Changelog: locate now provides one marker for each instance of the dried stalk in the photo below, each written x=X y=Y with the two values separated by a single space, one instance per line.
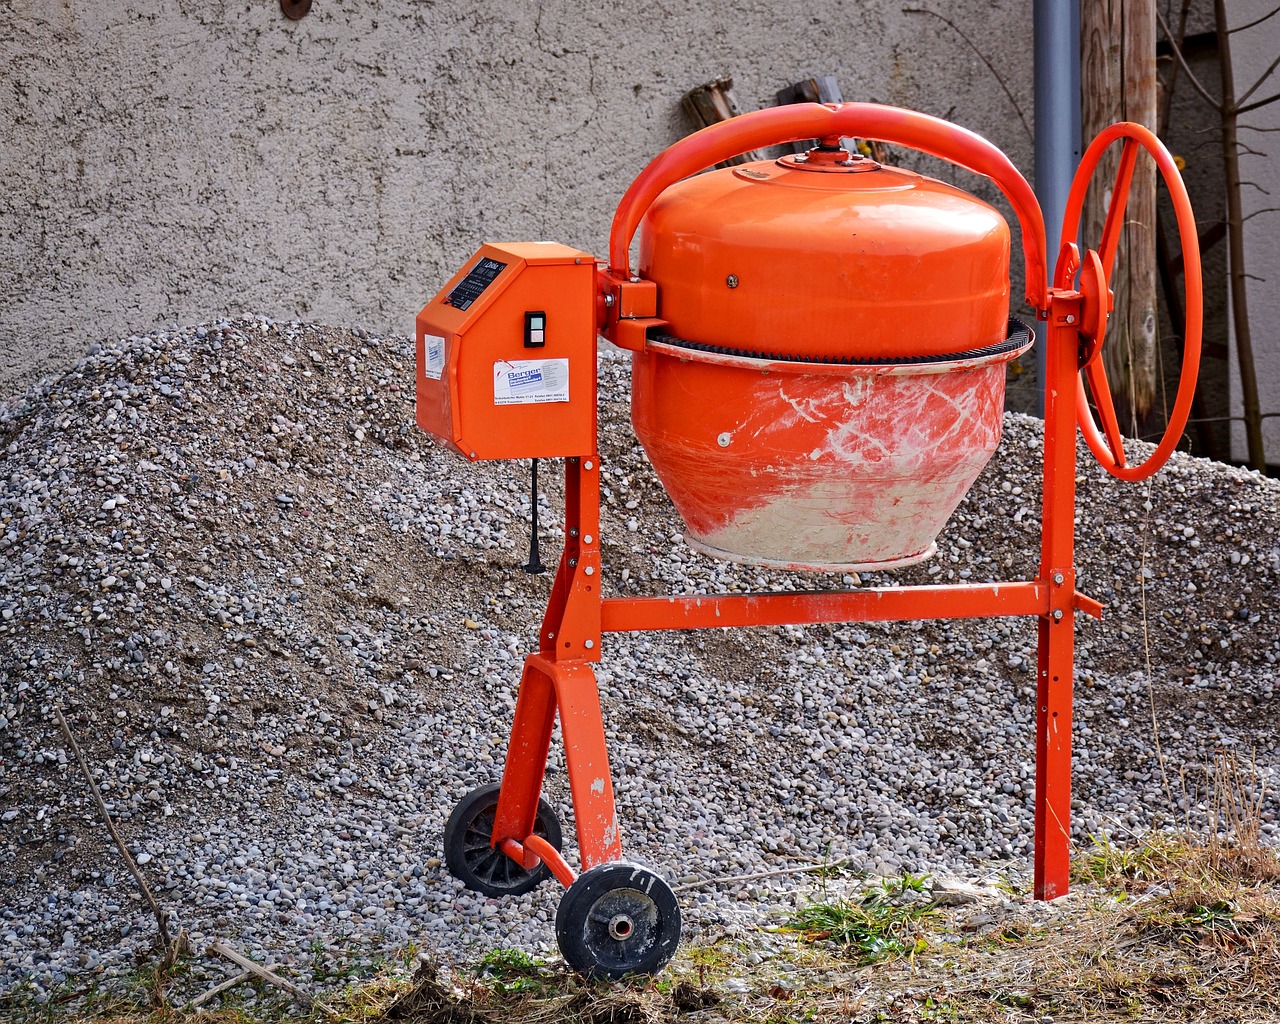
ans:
x=115 y=835
x=173 y=948
x=222 y=949
x=778 y=872
x=221 y=987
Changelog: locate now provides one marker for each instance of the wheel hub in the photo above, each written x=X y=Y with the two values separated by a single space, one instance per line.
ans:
x=621 y=927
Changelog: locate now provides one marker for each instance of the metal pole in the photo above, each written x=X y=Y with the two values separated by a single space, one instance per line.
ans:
x=1057 y=117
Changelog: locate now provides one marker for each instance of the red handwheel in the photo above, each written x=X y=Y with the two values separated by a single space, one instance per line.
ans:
x=1094 y=271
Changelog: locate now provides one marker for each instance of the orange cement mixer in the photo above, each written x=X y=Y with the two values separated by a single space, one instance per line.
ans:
x=831 y=379
x=819 y=349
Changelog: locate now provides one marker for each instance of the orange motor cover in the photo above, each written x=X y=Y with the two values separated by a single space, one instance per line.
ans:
x=827 y=255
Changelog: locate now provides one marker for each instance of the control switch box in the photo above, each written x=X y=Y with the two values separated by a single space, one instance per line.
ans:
x=506 y=354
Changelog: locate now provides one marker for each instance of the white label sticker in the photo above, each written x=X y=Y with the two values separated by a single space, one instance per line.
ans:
x=433 y=364
x=526 y=381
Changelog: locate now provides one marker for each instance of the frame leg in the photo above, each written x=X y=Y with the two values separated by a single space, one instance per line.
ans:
x=588 y=763
x=1053 y=757
x=526 y=757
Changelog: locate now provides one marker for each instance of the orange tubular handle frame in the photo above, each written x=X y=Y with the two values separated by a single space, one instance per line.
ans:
x=1109 y=449
x=776 y=125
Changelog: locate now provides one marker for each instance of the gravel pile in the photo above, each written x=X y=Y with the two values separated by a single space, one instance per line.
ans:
x=287 y=631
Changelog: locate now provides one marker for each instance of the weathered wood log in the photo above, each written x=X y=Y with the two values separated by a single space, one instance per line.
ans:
x=823 y=89
x=711 y=103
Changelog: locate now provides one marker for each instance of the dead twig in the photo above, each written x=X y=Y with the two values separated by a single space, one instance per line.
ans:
x=803 y=870
x=170 y=946
x=115 y=835
x=266 y=974
x=173 y=948
x=230 y=983
x=982 y=57
x=1146 y=645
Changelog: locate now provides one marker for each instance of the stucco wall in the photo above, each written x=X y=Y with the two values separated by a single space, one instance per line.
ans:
x=174 y=161
x=1252 y=52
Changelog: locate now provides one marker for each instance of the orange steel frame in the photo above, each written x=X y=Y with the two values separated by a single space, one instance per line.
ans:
x=559 y=678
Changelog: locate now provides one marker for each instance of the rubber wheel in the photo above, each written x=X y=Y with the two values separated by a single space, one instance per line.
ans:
x=618 y=919
x=482 y=867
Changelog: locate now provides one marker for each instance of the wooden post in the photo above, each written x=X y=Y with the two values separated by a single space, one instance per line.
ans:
x=1118 y=80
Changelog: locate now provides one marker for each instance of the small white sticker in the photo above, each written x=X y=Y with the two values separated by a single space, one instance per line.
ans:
x=433 y=345
x=527 y=381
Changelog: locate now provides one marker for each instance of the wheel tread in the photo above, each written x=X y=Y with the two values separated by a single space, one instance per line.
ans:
x=481 y=866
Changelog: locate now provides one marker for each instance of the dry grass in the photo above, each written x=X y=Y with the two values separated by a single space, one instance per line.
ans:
x=1193 y=945
x=1178 y=926
x=1235 y=848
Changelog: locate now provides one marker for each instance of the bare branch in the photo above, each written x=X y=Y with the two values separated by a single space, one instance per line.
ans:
x=1267 y=209
x=982 y=57
x=230 y=983
x=1165 y=99
x=1210 y=144
x=1240 y=28
x=1261 y=78
x=1255 y=128
x=1257 y=103
x=1244 y=148
x=111 y=827
x=1234 y=419
x=222 y=949
x=1182 y=61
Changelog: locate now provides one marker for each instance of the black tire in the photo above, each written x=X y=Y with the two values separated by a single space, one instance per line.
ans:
x=485 y=868
x=618 y=919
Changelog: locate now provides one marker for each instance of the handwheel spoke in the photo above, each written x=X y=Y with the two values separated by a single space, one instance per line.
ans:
x=1068 y=265
x=1096 y=374
x=1114 y=223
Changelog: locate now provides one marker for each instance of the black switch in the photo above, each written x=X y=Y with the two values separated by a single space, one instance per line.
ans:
x=535 y=329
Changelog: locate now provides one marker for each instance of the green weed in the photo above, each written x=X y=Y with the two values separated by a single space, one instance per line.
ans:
x=905 y=883
x=711 y=962
x=512 y=972
x=874 y=926
x=938 y=1010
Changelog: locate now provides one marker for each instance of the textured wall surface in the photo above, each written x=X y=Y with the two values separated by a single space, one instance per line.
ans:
x=1252 y=53
x=175 y=161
